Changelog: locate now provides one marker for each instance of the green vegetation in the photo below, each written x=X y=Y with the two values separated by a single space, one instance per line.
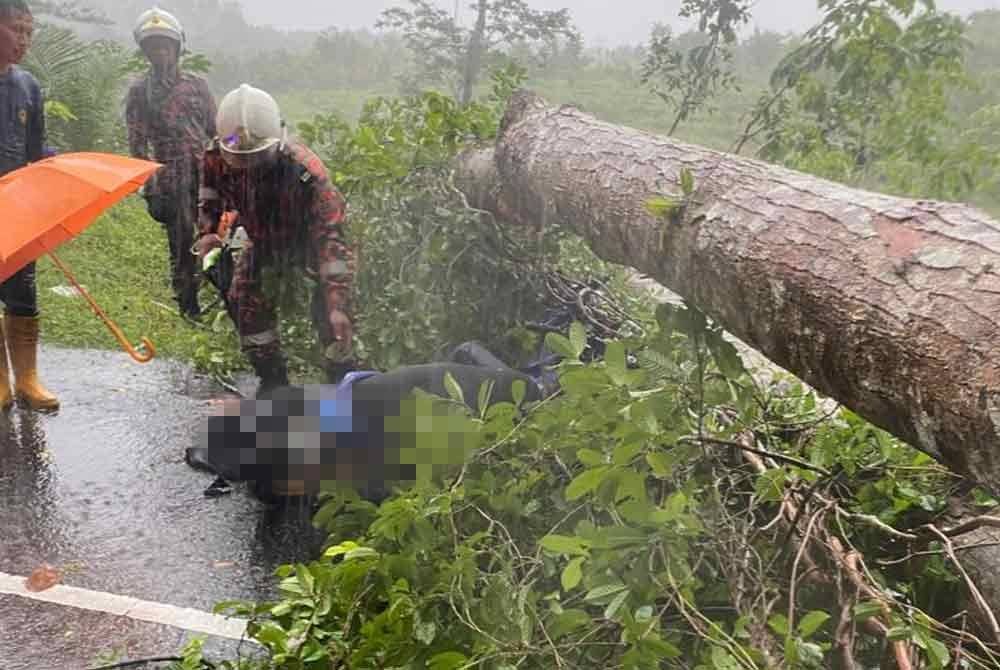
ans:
x=682 y=515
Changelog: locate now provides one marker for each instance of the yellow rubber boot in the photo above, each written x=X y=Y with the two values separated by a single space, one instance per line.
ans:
x=6 y=394
x=22 y=342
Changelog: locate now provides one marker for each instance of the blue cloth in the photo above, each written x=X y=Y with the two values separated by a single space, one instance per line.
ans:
x=335 y=411
x=22 y=120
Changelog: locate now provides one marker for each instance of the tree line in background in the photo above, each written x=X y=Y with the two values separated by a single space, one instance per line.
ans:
x=893 y=95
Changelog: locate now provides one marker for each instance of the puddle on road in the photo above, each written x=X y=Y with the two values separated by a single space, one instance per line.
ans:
x=101 y=490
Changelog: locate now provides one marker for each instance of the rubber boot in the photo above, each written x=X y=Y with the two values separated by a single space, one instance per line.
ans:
x=6 y=393
x=272 y=370
x=22 y=342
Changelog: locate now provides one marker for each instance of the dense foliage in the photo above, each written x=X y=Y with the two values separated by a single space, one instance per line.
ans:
x=634 y=522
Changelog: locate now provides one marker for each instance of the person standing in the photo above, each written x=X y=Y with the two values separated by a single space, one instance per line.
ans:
x=22 y=141
x=173 y=113
x=281 y=196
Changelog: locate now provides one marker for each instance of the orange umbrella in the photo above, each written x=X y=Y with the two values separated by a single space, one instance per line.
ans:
x=52 y=201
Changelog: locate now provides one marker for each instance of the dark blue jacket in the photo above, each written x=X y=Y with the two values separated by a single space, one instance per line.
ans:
x=22 y=120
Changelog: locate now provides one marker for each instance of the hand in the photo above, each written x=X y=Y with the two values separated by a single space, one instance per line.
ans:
x=343 y=332
x=206 y=243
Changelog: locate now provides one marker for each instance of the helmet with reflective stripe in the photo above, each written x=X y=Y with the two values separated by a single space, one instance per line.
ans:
x=156 y=22
x=250 y=127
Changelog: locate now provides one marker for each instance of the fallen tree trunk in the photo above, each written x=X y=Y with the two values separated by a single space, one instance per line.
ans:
x=887 y=305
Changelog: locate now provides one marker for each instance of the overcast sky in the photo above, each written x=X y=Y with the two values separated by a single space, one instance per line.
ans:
x=603 y=22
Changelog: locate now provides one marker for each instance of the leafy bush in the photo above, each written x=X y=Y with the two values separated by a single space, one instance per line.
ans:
x=433 y=271
x=625 y=525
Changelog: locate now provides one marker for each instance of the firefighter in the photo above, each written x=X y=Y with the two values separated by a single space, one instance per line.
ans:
x=277 y=192
x=171 y=113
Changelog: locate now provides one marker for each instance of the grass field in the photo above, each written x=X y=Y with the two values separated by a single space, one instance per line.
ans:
x=123 y=262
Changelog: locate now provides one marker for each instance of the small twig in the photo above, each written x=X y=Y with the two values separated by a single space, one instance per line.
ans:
x=878 y=523
x=972 y=524
x=934 y=552
x=977 y=595
x=846 y=627
x=704 y=439
x=803 y=547
x=958 y=645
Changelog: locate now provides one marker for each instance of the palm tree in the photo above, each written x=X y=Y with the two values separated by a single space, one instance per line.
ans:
x=82 y=82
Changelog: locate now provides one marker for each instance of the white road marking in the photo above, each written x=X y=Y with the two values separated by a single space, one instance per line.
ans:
x=184 y=618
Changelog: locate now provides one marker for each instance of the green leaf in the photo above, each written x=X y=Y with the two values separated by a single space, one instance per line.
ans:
x=584 y=382
x=687 y=182
x=578 y=338
x=425 y=632
x=660 y=648
x=273 y=636
x=866 y=610
x=591 y=458
x=676 y=504
x=728 y=359
x=644 y=614
x=349 y=550
x=614 y=358
x=770 y=486
x=811 y=622
x=306 y=580
x=565 y=544
x=281 y=609
x=612 y=609
x=518 y=390
x=779 y=624
x=601 y=592
x=723 y=660
x=625 y=452
x=586 y=482
x=661 y=464
x=661 y=207
x=569 y=621
x=572 y=574
x=316 y=655
x=560 y=345
x=453 y=388
x=620 y=537
x=449 y=660
x=937 y=652
x=485 y=393
x=632 y=485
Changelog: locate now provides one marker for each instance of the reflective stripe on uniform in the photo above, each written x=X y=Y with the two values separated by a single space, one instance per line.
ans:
x=334 y=268
x=260 y=339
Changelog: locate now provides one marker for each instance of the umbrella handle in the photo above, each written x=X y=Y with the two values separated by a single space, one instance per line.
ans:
x=112 y=326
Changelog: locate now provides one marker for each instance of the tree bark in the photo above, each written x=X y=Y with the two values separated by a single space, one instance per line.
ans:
x=888 y=305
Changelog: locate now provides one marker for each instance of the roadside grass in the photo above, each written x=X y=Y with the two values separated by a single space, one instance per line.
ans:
x=123 y=262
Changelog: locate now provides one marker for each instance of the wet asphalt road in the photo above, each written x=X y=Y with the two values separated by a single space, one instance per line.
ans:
x=101 y=492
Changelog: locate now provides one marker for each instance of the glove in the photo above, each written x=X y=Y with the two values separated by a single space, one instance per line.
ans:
x=205 y=244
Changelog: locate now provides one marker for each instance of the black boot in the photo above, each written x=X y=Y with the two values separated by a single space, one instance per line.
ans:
x=272 y=370
x=335 y=372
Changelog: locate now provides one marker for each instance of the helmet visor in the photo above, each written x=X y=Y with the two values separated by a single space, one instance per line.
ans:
x=246 y=159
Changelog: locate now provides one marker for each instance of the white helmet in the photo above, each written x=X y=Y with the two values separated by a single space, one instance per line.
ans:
x=250 y=127
x=154 y=22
